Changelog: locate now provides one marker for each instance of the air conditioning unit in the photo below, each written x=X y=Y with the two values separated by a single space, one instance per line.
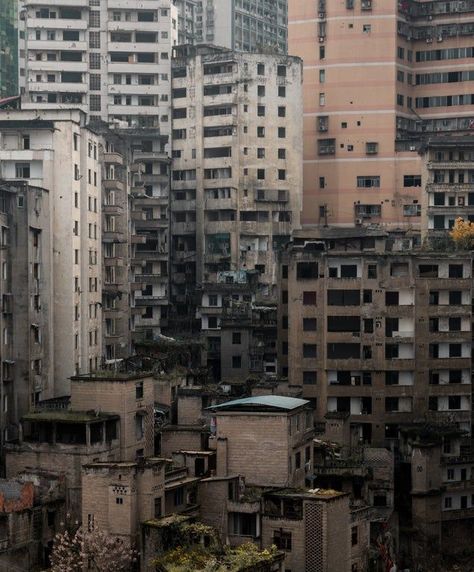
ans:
x=322 y=39
x=322 y=15
x=358 y=221
x=412 y=148
x=429 y=40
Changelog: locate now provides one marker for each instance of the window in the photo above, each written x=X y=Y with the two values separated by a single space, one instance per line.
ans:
x=366 y=28
x=412 y=181
x=372 y=271
x=281 y=91
x=281 y=132
x=455 y=270
x=448 y=502
x=309 y=298
x=367 y=181
x=139 y=390
x=22 y=170
x=236 y=362
x=310 y=377
x=309 y=324
x=309 y=351
x=354 y=536
x=236 y=338
x=261 y=90
x=282 y=153
x=455 y=298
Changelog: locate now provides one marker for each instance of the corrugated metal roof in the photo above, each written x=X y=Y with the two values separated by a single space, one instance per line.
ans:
x=263 y=401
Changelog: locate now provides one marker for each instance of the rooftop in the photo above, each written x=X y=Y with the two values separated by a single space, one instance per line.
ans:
x=64 y=416
x=319 y=494
x=262 y=403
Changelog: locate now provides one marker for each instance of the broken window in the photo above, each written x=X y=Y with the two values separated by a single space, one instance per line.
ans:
x=428 y=271
x=434 y=298
x=282 y=540
x=455 y=270
x=455 y=298
x=309 y=351
x=343 y=351
x=348 y=271
x=391 y=377
x=242 y=524
x=309 y=298
x=391 y=351
x=398 y=269
x=306 y=270
x=343 y=324
x=343 y=297
x=391 y=404
x=310 y=377
x=392 y=298
x=309 y=324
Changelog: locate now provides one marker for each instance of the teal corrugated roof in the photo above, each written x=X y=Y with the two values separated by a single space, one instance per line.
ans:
x=264 y=401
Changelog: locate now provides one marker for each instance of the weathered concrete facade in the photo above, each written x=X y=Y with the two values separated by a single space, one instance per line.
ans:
x=370 y=328
x=447 y=178
x=236 y=189
x=54 y=151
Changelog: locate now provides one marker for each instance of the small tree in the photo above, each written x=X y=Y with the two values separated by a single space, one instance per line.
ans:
x=462 y=234
x=94 y=550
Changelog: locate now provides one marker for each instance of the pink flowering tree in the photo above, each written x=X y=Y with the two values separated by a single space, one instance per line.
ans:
x=94 y=550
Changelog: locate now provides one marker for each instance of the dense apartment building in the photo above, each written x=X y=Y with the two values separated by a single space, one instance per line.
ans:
x=236 y=188
x=371 y=328
x=53 y=151
x=447 y=177
x=112 y=60
x=116 y=238
x=9 y=49
x=242 y=25
x=379 y=78
x=26 y=294
x=80 y=53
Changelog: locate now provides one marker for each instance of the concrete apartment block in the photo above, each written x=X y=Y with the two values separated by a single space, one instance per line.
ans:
x=236 y=188
x=375 y=330
x=53 y=150
x=377 y=82
x=247 y=26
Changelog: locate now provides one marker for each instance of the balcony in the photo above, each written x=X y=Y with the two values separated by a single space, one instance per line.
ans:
x=113 y=157
x=52 y=45
x=114 y=261
x=464 y=165
x=113 y=184
x=184 y=227
x=113 y=236
x=112 y=209
x=151 y=301
x=137 y=239
x=221 y=204
x=152 y=223
x=150 y=278
x=150 y=156
x=58 y=87
x=161 y=254
x=55 y=66
x=58 y=23
x=61 y=3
